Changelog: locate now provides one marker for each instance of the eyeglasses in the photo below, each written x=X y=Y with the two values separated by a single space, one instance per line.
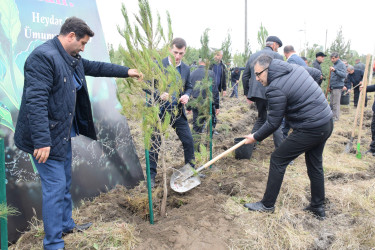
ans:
x=259 y=73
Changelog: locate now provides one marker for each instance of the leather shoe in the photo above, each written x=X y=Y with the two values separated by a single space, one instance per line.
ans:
x=318 y=212
x=78 y=228
x=370 y=152
x=259 y=207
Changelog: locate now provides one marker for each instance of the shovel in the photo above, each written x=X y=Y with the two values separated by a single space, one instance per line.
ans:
x=350 y=143
x=187 y=177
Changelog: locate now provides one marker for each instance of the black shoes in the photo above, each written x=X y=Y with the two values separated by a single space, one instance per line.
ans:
x=370 y=152
x=318 y=212
x=259 y=207
x=78 y=228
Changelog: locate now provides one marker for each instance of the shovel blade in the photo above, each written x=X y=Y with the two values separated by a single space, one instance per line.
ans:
x=183 y=179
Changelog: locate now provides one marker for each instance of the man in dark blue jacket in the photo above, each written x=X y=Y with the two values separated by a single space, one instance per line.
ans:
x=198 y=114
x=178 y=122
x=55 y=107
x=291 y=92
x=292 y=57
x=235 y=79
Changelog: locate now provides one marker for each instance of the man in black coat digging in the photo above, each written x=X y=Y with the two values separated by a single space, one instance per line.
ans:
x=291 y=92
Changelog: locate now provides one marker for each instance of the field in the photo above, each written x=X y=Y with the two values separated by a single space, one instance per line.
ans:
x=212 y=216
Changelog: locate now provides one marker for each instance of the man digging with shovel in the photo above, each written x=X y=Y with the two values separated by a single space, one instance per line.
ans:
x=292 y=92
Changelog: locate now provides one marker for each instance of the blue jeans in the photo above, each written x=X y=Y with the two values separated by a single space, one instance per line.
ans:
x=235 y=90
x=56 y=177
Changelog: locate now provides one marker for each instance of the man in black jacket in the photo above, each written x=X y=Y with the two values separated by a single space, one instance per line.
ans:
x=371 y=88
x=316 y=64
x=255 y=91
x=355 y=77
x=291 y=92
x=196 y=78
x=55 y=107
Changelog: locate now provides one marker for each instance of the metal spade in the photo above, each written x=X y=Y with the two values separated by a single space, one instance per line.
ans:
x=187 y=178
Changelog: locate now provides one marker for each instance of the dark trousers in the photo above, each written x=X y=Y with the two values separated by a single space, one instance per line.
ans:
x=183 y=132
x=356 y=97
x=285 y=128
x=308 y=141
x=235 y=90
x=199 y=125
x=372 y=145
x=262 y=118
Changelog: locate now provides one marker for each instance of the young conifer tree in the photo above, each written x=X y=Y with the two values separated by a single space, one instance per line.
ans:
x=202 y=103
x=146 y=46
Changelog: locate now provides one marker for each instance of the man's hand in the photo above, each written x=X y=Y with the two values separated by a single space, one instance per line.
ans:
x=344 y=88
x=332 y=69
x=42 y=154
x=164 y=96
x=184 y=99
x=135 y=74
x=360 y=86
x=224 y=93
x=248 y=101
x=217 y=111
x=250 y=139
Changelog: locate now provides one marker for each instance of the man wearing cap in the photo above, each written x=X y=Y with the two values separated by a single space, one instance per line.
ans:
x=316 y=64
x=255 y=91
x=336 y=83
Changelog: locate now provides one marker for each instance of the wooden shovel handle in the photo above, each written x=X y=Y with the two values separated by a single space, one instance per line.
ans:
x=356 y=114
x=363 y=92
x=222 y=155
x=329 y=80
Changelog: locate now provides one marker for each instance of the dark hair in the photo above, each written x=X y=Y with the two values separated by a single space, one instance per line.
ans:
x=178 y=42
x=304 y=58
x=76 y=25
x=334 y=54
x=288 y=49
x=263 y=60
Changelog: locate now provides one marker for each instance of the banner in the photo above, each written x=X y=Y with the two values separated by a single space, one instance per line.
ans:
x=97 y=165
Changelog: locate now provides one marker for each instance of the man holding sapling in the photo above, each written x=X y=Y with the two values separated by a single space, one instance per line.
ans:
x=292 y=92
x=179 y=122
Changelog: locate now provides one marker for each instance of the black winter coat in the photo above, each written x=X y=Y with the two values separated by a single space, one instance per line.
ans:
x=293 y=93
x=50 y=100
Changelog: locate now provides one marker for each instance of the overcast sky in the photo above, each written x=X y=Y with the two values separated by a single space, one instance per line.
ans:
x=294 y=22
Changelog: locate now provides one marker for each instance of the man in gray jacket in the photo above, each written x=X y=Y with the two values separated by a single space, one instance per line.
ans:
x=292 y=93
x=337 y=82
x=255 y=91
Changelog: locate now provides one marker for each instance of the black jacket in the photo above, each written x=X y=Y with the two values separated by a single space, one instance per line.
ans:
x=50 y=100
x=197 y=76
x=371 y=88
x=222 y=85
x=294 y=94
x=316 y=65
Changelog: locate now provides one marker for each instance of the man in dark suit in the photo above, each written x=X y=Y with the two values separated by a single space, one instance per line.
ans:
x=179 y=122
x=255 y=91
